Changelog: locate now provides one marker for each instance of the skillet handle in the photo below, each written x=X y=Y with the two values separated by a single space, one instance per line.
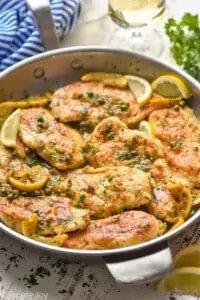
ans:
x=42 y=13
x=140 y=269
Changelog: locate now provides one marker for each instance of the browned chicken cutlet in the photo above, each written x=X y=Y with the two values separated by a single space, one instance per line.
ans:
x=125 y=229
x=56 y=143
x=5 y=156
x=9 y=163
x=91 y=102
x=171 y=124
x=162 y=174
x=18 y=165
x=104 y=191
x=113 y=144
x=164 y=205
x=179 y=131
x=55 y=215
x=6 y=189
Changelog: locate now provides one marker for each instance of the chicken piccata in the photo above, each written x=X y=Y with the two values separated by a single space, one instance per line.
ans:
x=81 y=172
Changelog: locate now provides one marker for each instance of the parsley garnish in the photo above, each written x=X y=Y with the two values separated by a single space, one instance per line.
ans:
x=108 y=132
x=68 y=219
x=125 y=155
x=86 y=126
x=82 y=198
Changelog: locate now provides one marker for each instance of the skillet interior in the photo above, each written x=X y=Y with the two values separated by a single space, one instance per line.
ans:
x=52 y=70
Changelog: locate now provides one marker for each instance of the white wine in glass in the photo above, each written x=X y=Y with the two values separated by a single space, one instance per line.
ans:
x=133 y=16
x=93 y=10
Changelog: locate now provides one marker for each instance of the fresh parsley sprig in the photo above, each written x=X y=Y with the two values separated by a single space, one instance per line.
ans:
x=185 y=42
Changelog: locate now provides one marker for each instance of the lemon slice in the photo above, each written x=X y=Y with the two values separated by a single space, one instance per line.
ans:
x=31 y=180
x=170 y=86
x=140 y=88
x=178 y=223
x=120 y=83
x=99 y=76
x=183 y=199
x=108 y=79
x=29 y=225
x=188 y=257
x=165 y=102
x=27 y=187
x=10 y=128
x=184 y=280
x=145 y=127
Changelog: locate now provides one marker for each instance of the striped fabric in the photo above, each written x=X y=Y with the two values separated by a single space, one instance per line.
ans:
x=19 y=37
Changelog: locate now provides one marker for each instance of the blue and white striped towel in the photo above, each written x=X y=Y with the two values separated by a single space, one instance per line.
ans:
x=19 y=36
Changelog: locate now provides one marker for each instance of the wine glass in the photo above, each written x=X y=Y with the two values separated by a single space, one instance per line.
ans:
x=137 y=21
x=93 y=10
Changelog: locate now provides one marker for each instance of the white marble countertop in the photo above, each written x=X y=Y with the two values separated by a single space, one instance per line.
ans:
x=59 y=280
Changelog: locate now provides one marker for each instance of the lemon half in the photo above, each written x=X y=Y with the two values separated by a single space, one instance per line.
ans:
x=188 y=257
x=171 y=86
x=140 y=88
x=185 y=280
x=9 y=130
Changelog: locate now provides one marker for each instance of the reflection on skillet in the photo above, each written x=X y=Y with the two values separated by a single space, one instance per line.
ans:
x=84 y=174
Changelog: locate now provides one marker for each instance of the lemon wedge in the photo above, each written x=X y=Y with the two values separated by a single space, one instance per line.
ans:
x=145 y=127
x=188 y=257
x=140 y=88
x=171 y=86
x=184 y=280
x=10 y=128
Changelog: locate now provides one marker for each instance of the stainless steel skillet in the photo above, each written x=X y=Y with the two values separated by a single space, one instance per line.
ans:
x=52 y=69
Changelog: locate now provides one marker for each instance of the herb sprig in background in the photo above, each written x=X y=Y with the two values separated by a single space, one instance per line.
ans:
x=184 y=36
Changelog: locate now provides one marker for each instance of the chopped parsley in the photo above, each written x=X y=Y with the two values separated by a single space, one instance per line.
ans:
x=176 y=144
x=69 y=185
x=68 y=219
x=66 y=158
x=118 y=109
x=126 y=155
x=108 y=132
x=52 y=154
x=141 y=162
x=143 y=167
x=31 y=161
x=54 y=180
x=110 y=178
x=81 y=201
x=48 y=223
x=82 y=198
x=86 y=126
x=135 y=140
x=90 y=95
x=42 y=124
